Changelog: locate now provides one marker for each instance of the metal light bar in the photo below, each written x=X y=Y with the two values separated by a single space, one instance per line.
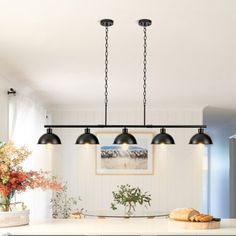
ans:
x=127 y=126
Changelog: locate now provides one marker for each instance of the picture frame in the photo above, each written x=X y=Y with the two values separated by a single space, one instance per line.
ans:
x=113 y=159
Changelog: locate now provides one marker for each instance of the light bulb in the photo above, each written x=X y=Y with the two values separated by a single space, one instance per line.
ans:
x=125 y=146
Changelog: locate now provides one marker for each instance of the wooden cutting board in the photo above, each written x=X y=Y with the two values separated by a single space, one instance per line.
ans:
x=194 y=225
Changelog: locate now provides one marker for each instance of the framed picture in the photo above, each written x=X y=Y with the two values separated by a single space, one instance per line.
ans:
x=124 y=159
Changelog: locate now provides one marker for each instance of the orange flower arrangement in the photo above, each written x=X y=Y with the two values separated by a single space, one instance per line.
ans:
x=14 y=179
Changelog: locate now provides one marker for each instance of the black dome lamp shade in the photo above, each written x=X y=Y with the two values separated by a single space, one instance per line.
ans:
x=163 y=138
x=49 y=138
x=125 y=138
x=201 y=138
x=87 y=138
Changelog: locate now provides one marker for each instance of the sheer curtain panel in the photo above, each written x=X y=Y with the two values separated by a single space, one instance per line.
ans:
x=26 y=121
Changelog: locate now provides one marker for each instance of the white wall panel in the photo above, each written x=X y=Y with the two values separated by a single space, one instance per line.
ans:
x=177 y=178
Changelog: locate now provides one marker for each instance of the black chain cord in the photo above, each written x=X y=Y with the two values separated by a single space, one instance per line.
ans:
x=144 y=74
x=106 y=73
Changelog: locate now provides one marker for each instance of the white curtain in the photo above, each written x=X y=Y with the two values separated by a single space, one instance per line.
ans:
x=26 y=121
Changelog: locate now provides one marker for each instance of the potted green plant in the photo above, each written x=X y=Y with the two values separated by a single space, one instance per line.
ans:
x=129 y=197
x=13 y=179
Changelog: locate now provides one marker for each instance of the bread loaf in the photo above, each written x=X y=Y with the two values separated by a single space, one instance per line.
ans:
x=183 y=214
x=201 y=218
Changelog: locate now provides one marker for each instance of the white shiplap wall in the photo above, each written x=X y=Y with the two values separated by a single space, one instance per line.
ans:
x=177 y=178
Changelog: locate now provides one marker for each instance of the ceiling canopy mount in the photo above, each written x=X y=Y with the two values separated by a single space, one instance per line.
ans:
x=106 y=22
x=144 y=22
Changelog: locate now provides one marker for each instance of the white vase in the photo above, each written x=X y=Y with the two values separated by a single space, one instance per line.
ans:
x=14 y=218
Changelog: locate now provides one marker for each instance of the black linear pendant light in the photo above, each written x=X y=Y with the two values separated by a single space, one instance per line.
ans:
x=163 y=138
x=201 y=138
x=125 y=137
x=87 y=138
x=49 y=138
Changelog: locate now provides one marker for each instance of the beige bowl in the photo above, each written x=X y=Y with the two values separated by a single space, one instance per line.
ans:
x=14 y=218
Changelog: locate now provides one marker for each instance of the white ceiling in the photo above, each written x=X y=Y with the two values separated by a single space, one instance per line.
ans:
x=56 y=47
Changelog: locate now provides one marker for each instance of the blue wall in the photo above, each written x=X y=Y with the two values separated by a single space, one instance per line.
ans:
x=221 y=125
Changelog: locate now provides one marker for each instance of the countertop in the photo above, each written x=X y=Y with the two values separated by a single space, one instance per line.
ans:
x=140 y=226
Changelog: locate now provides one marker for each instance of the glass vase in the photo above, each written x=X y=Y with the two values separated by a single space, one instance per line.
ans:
x=6 y=201
x=129 y=211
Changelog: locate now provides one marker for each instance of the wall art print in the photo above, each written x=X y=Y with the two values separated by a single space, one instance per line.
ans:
x=124 y=159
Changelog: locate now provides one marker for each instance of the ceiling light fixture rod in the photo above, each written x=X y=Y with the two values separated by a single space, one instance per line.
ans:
x=144 y=23
x=126 y=126
x=106 y=72
x=106 y=23
x=144 y=74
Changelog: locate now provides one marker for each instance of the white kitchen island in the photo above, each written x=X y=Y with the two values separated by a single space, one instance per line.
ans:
x=140 y=226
